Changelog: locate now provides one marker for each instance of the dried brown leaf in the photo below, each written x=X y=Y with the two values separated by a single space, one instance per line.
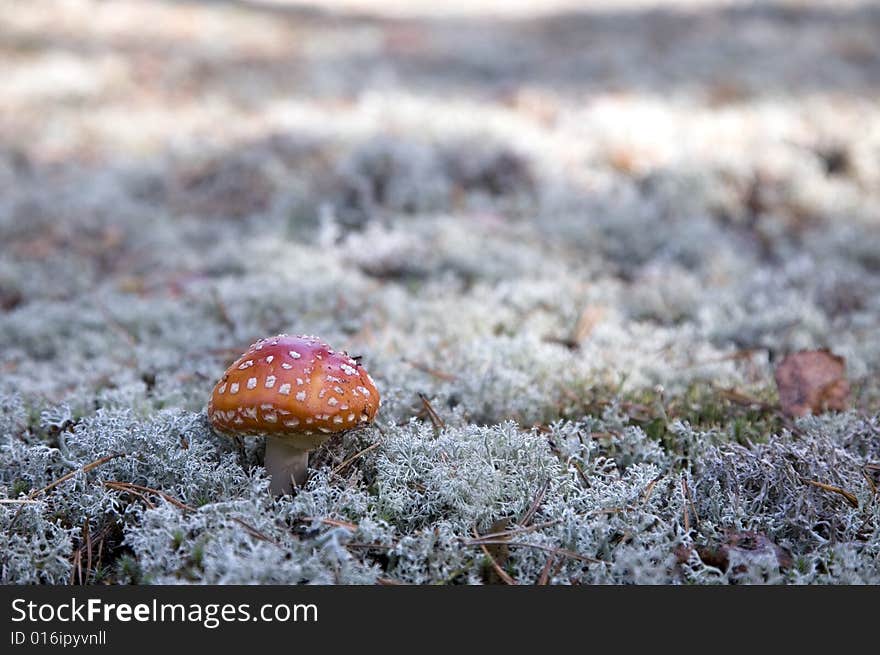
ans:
x=812 y=381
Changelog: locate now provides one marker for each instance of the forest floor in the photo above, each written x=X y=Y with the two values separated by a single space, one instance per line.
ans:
x=571 y=244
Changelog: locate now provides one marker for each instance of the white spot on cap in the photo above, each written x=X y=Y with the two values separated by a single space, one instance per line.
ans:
x=299 y=381
x=322 y=393
x=233 y=388
x=270 y=381
x=301 y=396
x=339 y=390
x=332 y=401
x=286 y=366
x=364 y=391
x=284 y=388
x=266 y=406
x=348 y=370
x=294 y=354
x=344 y=406
x=271 y=417
x=252 y=383
x=246 y=364
x=250 y=412
x=221 y=388
x=270 y=358
x=291 y=422
x=351 y=417
x=324 y=430
x=337 y=419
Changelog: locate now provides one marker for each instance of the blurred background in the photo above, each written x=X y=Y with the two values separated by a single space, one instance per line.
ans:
x=621 y=213
x=674 y=179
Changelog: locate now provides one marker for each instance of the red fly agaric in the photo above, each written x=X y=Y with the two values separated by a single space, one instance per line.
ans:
x=297 y=392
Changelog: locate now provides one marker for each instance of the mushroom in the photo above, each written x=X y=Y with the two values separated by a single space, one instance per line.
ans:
x=297 y=392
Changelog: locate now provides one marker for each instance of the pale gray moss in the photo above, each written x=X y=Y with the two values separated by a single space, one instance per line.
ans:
x=572 y=267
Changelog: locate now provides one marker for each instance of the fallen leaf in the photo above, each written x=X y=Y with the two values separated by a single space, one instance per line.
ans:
x=745 y=549
x=812 y=381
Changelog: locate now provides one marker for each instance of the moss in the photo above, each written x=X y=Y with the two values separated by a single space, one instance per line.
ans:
x=590 y=289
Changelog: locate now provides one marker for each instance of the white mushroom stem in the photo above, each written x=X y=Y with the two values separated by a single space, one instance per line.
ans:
x=287 y=465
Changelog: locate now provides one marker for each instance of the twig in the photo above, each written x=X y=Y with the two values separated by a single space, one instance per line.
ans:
x=740 y=398
x=536 y=503
x=689 y=501
x=544 y=577
x=76 y=566
x=448 y=377
x=650 y=489
x=84 y=469
x=18 y=501
x=436 y=421
x=505 y=577
x=139 y=491
x=748 y=353
x=388 y=582
x=850 y=498
x=333 y=522
x=558 y=551
x=223 y=313
x=256 y=533
x=870 y=478
x=129 y=486
x=88 y=540
x=580 y=472
x=354 y=457
x=116 y=326
x=523 y=530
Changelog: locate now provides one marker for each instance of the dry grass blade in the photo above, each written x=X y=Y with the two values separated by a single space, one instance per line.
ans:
x=87 y=538
x=76 y=567
x=544 y=577
x=436 y=421
x=500 y=572
x=83 y=469
x=223 y=312
x=252 y=531
x=548 y=549
x=18 y=501
x=116 y=326
x=448 y=377
x=332 y=522
x=649 y=490
x=355 y=457
x=871 y=472
x=689 y=500
x=536 y=503
x=850 y=498
x=523 y=530
x=140 y=490
x=740 y=398
x=388 y=582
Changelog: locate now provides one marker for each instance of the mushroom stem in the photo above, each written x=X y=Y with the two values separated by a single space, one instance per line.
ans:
x=286 y=465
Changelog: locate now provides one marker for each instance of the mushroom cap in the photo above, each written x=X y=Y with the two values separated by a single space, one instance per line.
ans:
x=295 y=388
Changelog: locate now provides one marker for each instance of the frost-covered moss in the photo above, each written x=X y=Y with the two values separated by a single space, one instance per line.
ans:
x=587 y=274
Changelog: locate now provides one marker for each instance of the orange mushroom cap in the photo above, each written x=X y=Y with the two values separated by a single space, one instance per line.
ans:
x=294 y=387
